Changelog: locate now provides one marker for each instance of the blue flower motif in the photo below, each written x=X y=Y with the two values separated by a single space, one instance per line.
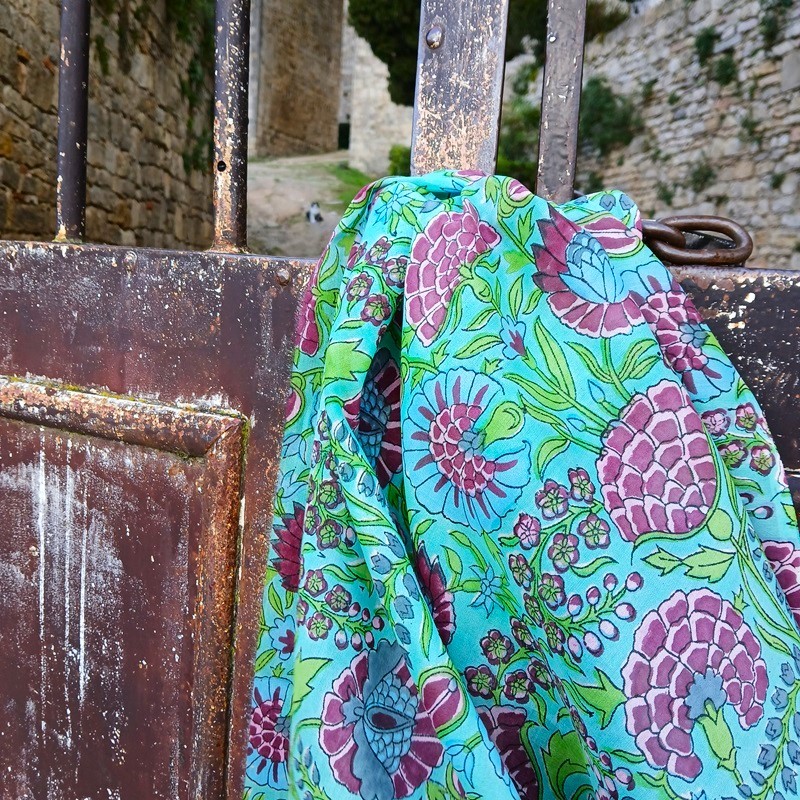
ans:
x=489 y=585
x=281 y=637
x=705 y=688
x=589 y=272
x=456 y=469
x=513 y=335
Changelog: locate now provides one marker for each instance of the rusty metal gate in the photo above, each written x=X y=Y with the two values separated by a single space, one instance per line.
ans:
x=141 y=407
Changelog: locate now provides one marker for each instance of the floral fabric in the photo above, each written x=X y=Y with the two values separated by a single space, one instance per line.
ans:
x=532 y=537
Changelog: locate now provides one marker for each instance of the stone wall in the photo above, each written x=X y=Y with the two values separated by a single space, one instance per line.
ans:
x=376 y=123
x=298 y=78
x=139 y=189
x=732 y=149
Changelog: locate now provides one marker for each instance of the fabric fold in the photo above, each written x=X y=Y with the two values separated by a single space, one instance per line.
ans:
x=528 y=523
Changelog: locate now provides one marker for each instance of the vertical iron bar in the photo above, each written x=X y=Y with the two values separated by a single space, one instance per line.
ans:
x=232 y=46
x=459 y=85
x=73 y=105
x=561 y=99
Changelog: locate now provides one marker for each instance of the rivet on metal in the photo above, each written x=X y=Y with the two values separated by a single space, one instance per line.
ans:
x=434 y=37
x=283 y=276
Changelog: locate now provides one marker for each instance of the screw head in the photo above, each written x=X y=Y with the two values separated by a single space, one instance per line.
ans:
x=434 y=37
x=283 y=276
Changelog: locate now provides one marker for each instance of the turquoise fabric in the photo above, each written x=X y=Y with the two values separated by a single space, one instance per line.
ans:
x=532 y=537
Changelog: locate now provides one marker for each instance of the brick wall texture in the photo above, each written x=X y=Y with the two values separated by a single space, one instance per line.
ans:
x=140 y=192
x=745 y=135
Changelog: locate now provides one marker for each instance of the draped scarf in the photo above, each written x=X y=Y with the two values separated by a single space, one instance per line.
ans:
x=532 y=537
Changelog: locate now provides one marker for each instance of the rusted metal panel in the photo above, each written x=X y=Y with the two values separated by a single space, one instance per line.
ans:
x=73 y=100
x=232 y=54
x=174 y=430
x=198 y=331
x=561 y=98
x=459 y=85
x=755 y=314
x=117 y=573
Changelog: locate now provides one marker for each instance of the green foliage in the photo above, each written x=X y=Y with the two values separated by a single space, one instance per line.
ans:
x=103 y=54
x=189 y=21
x=607 y=120
x=674 y=98
x=704 y=44
x=776 y=180
x=647 y=90
x=351 y=180
x=519 y=130
x=751 y=130
x=392 y=28
x=665 y=193
x=701 y=175
x=399 y=160
x=724 y=69
x=773 y=17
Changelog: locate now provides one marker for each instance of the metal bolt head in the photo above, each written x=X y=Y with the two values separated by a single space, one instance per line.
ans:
x=434 y=37
x=283 y=276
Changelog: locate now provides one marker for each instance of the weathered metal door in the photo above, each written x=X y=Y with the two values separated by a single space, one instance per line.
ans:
x=141 y=403
x=142 y=399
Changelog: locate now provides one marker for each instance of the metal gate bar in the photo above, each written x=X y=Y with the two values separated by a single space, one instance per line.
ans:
x=561 y=100
x=231 y=77
x=73 y=105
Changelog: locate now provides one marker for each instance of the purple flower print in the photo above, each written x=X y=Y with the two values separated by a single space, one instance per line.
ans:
x=315 y=583
x=288 y=540
x=374 y=413
x=521 y=633
x=784 y=558
x=440 y=598
x=378 y=731
x=359 y=286
x=376 y=309
x=517 y=686
x=551 y=590
x=555 y=637
x=308 y=334
x=527 y=529
x=338 y=599
x=563 y=551
x=692 y=655
x=394 y=270
x=481 y=681
x=656 y=468
x=762 y=459
x=496 y=647
x=682 y=337
x=583 y=288
x=581 y=486
x=318 y=626
x=451 y=241
x=716 y=421
x=733 y=453
x=452 y=468
x=552 y=498
x=520 y=569
x=268 y=734
x=746 y=417
x=504 y=725
x=595 y=532
x=539 y=673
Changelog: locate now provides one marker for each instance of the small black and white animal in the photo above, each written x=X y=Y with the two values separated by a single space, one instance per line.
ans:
x=313 y=214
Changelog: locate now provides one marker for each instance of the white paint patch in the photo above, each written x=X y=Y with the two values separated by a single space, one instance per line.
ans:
x=41 y=513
